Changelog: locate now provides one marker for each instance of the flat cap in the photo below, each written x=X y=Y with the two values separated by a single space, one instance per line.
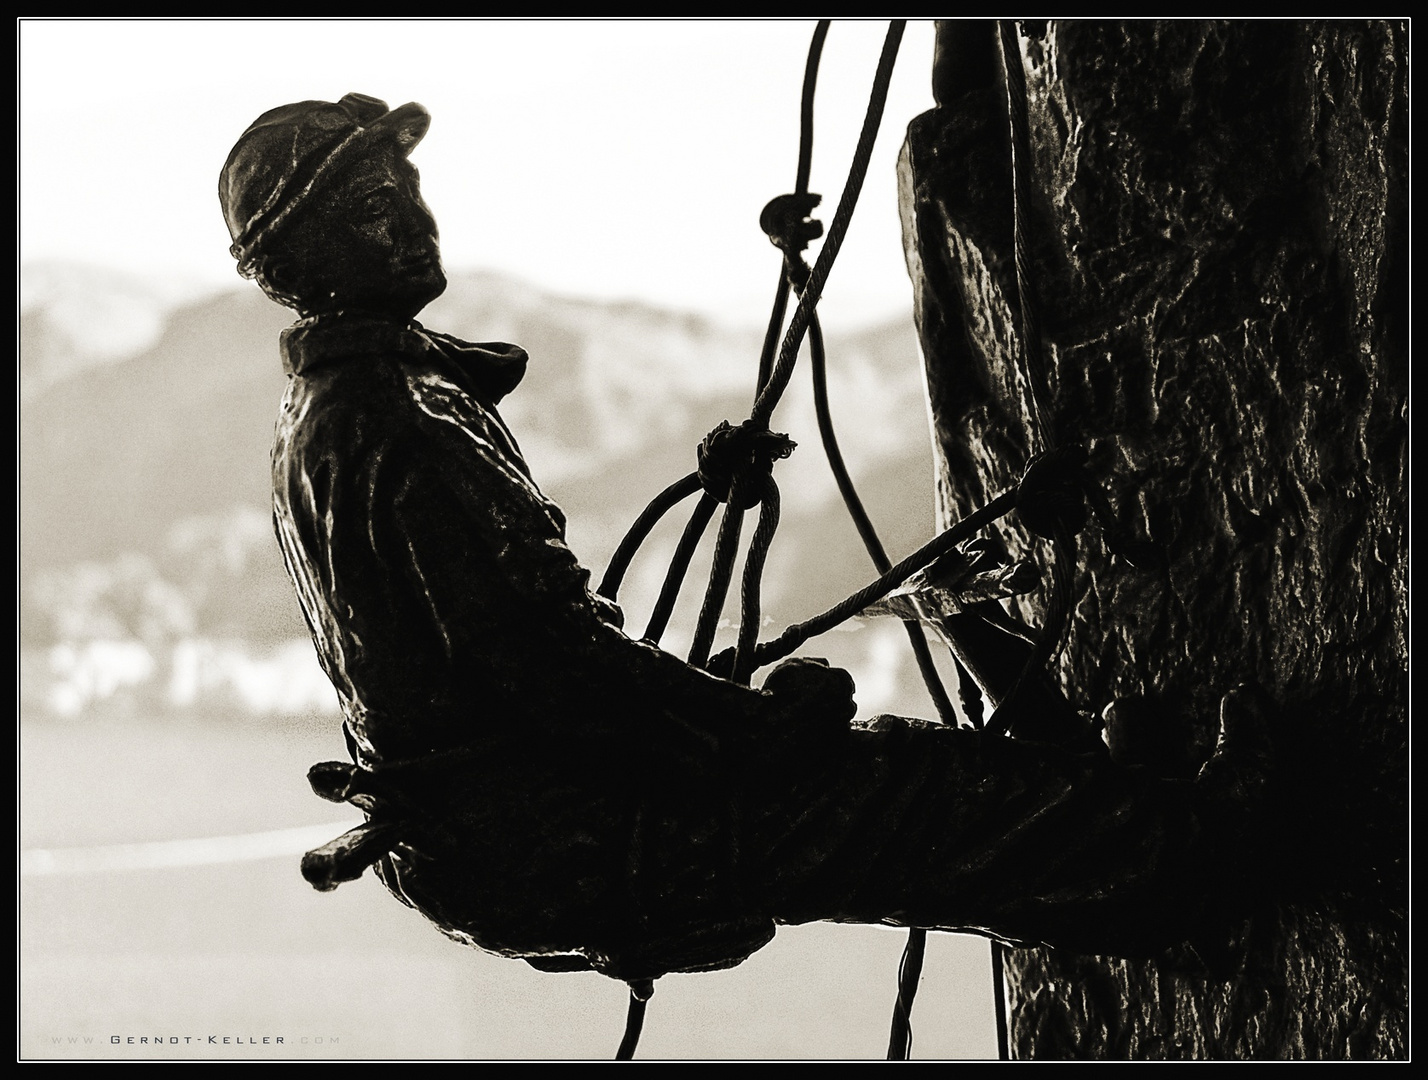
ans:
x=289 y=152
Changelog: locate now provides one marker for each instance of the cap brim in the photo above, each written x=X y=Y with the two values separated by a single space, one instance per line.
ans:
x=406 y=124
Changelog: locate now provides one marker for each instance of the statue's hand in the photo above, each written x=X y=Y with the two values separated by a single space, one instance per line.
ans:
x=804 y=698
x=809 y=695
x=721 y=664
x=802 y=680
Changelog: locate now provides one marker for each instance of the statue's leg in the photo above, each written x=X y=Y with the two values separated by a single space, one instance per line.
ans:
x=915 y=824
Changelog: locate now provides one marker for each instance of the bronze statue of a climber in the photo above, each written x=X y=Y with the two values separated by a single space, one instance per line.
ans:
x=540 y=784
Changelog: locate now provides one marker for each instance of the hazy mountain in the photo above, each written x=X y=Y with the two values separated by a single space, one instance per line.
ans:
x=144 y=456
x=76 y=317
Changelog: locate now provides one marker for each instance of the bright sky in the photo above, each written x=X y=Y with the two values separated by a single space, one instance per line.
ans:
x=617 y=159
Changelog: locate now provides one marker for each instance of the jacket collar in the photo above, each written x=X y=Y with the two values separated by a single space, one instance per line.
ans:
x=492 y=368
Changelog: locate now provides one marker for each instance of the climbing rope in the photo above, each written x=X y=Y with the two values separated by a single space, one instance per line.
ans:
x=784 y=220
x=794 y=210
x=770 y=393
x=1055 y=489
x=909 y=973
x=736 y=463
x=640 y=993
x=793 y=637
x=772 y=389
x=679 y=566
x=866 y=532
x=1033 y=380
x=649 y=517
x=743 y=461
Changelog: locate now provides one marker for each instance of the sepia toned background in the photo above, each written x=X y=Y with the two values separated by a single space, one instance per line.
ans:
x=598 y=186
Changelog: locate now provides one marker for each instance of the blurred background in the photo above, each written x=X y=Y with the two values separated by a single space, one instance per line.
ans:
x=598 y=186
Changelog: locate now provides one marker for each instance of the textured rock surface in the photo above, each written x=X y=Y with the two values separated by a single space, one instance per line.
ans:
x=1219 y=242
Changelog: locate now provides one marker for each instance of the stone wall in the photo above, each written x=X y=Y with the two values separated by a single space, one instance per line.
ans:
x=1219 y=232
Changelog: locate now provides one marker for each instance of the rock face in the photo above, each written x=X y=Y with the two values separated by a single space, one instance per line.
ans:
x=1217 y=228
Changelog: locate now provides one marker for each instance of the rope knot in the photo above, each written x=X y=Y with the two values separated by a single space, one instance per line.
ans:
x=1051 y=492
x=1057 y=489
x=748 y=451
x=786 y=222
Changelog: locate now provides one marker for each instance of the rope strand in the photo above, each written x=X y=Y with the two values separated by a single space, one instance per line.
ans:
x=772 y=390
x=725 y=551
x=640 y=993
x=1033 y=366
x=679 y=566
x=805 y=113
x=900 y=1044
x=783 y=370
x=660 y=505
x=771 y=335
x=773 y=378
x=926 y=666
x=908 y=974
x=939 y=545
x=753 y=577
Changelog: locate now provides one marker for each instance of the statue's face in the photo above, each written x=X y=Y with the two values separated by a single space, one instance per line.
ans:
x=367 y=242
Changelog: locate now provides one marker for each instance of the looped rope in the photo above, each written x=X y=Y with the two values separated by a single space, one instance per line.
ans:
x=747 y=451
x=643 y=525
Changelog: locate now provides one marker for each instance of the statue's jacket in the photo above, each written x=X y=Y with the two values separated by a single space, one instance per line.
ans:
x=564 y=793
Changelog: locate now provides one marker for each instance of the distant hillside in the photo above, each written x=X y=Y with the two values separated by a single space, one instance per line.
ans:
x=144 y=476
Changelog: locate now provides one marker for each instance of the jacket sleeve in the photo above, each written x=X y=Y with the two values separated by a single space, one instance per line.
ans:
x=488 y=552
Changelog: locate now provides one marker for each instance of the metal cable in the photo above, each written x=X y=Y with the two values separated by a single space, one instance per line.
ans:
x=783 y=370
x=819 y=367
x=640 y=993
x=1032 y=371
x=726 y=549
x=772 y=390
x=679 y=566
x=660 y=505
x=908 y=973
x=943 y=542
x=753 y=577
